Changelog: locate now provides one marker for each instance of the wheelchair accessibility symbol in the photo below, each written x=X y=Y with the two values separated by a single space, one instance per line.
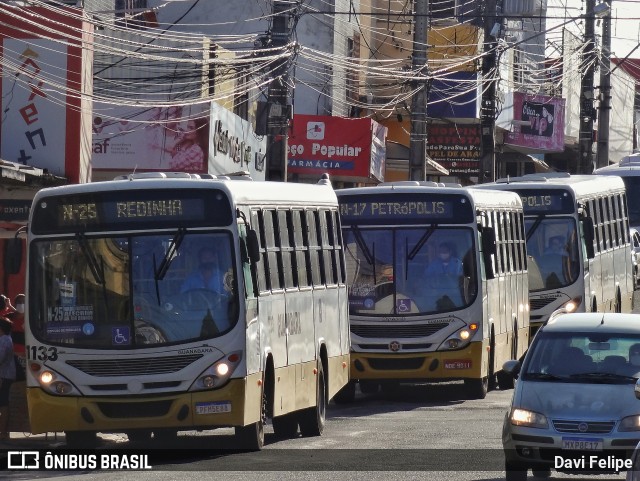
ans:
x=120 y=336
x=403 y=305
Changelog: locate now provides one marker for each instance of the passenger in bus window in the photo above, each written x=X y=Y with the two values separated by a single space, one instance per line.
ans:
x=445 y=274
x=208 y=275
x=557 y=246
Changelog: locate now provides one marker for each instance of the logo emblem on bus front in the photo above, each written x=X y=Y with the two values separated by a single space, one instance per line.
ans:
x=395 y=346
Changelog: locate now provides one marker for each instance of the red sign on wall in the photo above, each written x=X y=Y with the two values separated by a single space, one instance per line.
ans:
x=538 y=123
x=348 y=149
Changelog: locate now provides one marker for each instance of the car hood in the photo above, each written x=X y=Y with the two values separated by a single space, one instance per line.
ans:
x=577 y=400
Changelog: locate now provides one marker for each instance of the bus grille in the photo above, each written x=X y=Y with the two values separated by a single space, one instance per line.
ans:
x=540 y=302
x=595 y=427
x=148 y=409
x=134 y=367
x=396 y=331
x=396 y=364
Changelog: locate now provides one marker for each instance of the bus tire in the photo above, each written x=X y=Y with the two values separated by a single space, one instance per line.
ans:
x=312 y=420
x=476 y=388
x=491 y=377
x=347 y=394
x=285 y=426
x=81 y=439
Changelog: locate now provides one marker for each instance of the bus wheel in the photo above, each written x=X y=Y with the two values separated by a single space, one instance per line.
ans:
x=81 y=439
x=491 y=380
x=347 y=394
x=285 y=426
x=476 y=388
x=139 y=435
x=312 y=419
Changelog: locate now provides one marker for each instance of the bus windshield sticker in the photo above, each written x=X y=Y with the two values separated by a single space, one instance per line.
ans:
x=70 y=313
x=67 y=293
x=120 y=336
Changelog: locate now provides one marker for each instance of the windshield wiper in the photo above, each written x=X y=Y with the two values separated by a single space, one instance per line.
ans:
x=543 y=375
x=97 y=269
x=421 y=241
x=169 y=255
x=534 y=226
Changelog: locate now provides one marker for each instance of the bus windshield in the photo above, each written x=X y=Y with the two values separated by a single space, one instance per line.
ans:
x=552 y=247
x=414 y=270
x=132 y=291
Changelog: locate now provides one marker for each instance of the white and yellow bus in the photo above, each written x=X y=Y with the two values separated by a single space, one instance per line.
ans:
x=416 y=319
x=117 y=341
x=578 y=243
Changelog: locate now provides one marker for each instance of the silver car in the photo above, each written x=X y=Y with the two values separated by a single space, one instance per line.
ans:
x=574 y=406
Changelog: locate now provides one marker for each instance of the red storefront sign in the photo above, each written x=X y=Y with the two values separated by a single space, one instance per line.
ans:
x=348 y=149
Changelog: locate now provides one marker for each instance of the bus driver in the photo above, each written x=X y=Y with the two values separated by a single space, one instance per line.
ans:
x=444 y=274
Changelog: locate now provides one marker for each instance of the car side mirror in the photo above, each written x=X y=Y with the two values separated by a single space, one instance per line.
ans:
x=513 y=368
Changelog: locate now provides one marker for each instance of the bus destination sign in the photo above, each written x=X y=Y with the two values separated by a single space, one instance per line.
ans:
x=122 y=210
x=546 y=201
x=413 y=208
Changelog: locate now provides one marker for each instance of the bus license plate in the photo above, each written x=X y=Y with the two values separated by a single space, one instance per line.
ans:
x=582 y=444
x=213 y=407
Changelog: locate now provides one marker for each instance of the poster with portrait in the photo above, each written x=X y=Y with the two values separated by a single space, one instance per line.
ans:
x=151 y=139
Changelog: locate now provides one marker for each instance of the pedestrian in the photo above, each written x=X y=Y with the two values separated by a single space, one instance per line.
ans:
x=6 y=308
x=17 y=330
x=7 y=375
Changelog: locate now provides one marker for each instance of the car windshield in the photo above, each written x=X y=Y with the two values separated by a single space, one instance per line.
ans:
x=132 y=291
x=583 y=357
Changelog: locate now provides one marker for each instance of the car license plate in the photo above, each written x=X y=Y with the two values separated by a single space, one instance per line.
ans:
x=457 y=364
x=213 y=407
x=582 y=444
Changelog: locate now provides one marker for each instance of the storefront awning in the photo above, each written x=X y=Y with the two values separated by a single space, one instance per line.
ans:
x=398 y=157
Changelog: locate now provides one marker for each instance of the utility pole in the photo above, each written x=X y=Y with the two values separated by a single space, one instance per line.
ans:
x=604 y=109
x=278 y=107
x=587 y=112
x=418 y=135
x=488 y=106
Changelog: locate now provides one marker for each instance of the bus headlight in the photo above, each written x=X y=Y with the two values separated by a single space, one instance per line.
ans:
x=54 y=383
x=460 y=338
x=217 y=375
x=572 y=305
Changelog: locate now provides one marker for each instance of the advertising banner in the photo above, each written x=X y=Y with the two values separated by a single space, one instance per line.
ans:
x=456 y=147
x=151 y=139
x=347 y=149
x=538 y=123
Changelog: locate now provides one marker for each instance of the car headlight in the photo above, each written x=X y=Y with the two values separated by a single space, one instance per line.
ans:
x=55 y=383
x=217 y=375
x=460 y=338
x=630 y=423
x=531 y=419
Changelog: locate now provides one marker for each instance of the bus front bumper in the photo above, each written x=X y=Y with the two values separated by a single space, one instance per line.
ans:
x=235 y=404
x=425 y=366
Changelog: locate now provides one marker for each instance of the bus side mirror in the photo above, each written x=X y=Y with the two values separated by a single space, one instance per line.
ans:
x=589 y=235
x=12 y=255
x=253 y=246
